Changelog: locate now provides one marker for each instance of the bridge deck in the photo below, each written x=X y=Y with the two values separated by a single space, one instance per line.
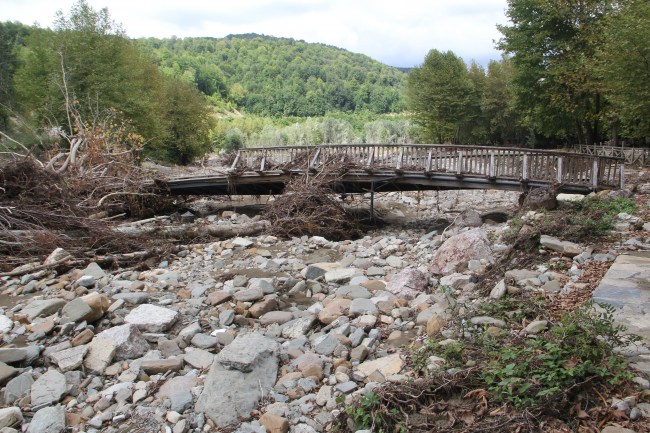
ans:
x=372 y=167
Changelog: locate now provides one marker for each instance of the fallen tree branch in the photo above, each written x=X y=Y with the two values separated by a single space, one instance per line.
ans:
x=35 y=268
x=123 y=193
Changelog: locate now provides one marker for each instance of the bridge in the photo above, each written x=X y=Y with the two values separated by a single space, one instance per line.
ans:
x=360 y=168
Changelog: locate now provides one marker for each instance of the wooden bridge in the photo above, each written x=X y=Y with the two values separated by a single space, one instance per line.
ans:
x=359 y=168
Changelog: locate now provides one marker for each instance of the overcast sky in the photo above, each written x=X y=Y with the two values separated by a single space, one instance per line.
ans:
x=398 y=33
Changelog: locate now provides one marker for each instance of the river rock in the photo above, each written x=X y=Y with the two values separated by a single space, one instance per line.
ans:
x=407 y=284
x=76 y=311
x=131 y=344
x=48 y=420
x=42 y=307
x=100 y=354
x=49 y=388
x=18 y=387
x=70 y=359
x=458 y=250
x=469 y=218
x=199 y=358
x=242 y=373
x=10 y=417
x=151 y=318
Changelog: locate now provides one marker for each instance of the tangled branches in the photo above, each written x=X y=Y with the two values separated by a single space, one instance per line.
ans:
x=310 y=208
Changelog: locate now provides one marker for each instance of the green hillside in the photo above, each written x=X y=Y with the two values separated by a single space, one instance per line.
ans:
x=272 y=76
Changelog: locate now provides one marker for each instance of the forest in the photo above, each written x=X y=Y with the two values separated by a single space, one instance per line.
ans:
x=567 y=75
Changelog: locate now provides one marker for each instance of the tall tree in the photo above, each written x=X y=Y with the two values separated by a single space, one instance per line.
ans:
x=552 y=43
x=624 y=63
x=439 y=92
x=88 y=58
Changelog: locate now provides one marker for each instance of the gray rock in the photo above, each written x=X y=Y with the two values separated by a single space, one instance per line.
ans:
x=299 y=327
x=361 y=306
x=131 y=344
x=325 y=344
x=18 y=387
x=6 y=372
x=203 y=341
x=42 y=307
x=182 y=401
x=48 y=420
x=226 y=317
x=49 y=388
x=469 y=218
x=485 y=320
x=249 y=295
x=86 y=281
x=346 y=387
x=243 y=353
x=198 y=290
x=199 y=358
x=151 y=318
x=76 y=311
x=314 y=272
x=13 y=354
x=93 y=270
x=70 y=359
x=553 y=286
x=133 y=298
x=9 y=417
x=354 y=292
x=243 y=373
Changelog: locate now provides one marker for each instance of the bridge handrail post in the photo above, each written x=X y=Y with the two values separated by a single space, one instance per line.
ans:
x=524 y=169
x=398 y=165
x=594 y=175
x=236 y=161
x=622 y=175
x=560 y=168
x=493 y=168
x=459 y=167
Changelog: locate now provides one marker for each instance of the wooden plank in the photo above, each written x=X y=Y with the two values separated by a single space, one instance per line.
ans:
x=560 y=169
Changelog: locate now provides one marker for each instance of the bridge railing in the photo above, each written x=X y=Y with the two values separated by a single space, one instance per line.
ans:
x=632 y=155
x=524 y=165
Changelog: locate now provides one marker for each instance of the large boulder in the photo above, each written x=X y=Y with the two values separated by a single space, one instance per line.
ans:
x=458 y=250
x=407 y=284
x=244 y=371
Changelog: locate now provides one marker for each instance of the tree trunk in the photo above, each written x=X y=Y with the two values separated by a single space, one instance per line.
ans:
x=581 y=135
x=590 y=134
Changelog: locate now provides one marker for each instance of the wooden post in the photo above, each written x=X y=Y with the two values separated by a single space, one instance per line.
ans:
x=371 y=157
x=459 y=168
x=234 y=164
x=524 y=169
x=622 y=173
x=594 y=175
x=312 y=166
x=560 y=168
x=398 y=166
x=429 y=161
x=493 y=167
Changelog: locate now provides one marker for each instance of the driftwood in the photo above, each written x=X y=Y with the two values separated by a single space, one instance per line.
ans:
x=35 y=268
x=214 y=230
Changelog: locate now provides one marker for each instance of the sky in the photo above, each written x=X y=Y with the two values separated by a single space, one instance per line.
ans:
x=398 y=33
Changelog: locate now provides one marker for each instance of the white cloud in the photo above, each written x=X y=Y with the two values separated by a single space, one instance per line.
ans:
x=396 y=33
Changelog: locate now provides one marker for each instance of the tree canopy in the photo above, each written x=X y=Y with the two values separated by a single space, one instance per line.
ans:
x=280 y=76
